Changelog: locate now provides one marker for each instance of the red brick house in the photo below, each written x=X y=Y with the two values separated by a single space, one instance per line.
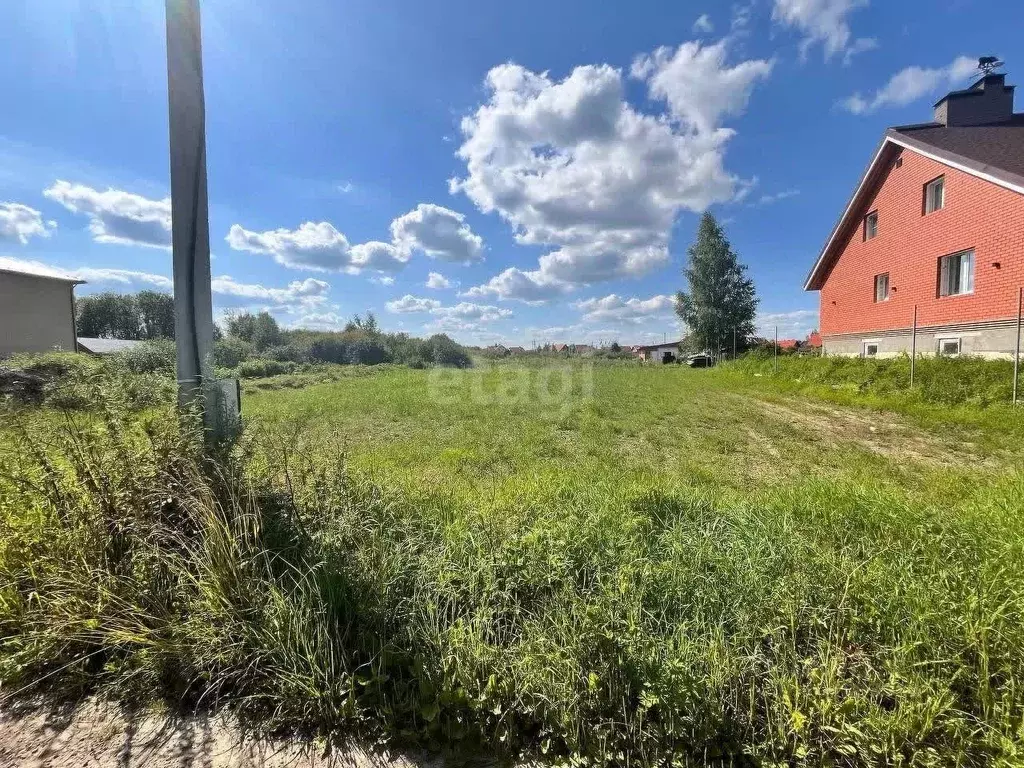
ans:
x=936 y=222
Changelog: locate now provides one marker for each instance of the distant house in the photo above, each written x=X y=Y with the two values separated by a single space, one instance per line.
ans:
x=559 y=347
x=659 y=353
x=516 y=350
x=788 y=344
x=37 y=312
x=814 y=340
x=105 y=346
x=583 y=349
x=933 y=230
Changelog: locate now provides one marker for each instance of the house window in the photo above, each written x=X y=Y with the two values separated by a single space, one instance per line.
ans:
x=899 y=162
x=935 y=194
x=956 y=274
x=882 y=287
x=949 y=347
x=871 y=225
x=870 y=349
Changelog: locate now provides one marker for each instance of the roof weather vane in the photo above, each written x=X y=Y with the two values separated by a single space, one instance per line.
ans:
x=989 y=64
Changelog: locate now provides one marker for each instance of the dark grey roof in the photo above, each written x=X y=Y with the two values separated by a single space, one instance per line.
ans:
x=106 y=346
x=996 y=149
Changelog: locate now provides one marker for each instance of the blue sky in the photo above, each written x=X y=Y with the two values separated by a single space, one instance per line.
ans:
x=501 y=172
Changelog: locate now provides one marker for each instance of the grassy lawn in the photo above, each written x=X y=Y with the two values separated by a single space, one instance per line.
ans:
x=488 y=432
x=608 y=565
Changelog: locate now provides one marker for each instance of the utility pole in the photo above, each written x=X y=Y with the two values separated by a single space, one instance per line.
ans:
x=190 y=226
x=913 y=349
x=1016 y=351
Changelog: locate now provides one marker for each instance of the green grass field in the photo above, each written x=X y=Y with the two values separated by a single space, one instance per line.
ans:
x=604 y=564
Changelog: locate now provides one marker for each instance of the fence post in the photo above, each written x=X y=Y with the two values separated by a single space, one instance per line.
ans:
x=776 y=349
x=913 y=348
x=734 y=342
x=1016 y=353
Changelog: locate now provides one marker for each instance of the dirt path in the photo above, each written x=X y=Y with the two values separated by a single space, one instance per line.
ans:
x=882 y=433
x=101 y=736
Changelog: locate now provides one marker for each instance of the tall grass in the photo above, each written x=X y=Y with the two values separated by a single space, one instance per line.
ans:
x=950 y=381
x=598 y=622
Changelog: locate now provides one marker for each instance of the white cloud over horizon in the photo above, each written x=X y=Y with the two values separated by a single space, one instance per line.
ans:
x=439 y=232
x=795 y=324
x=613 y=308
x=116 y=216
x=910 y=84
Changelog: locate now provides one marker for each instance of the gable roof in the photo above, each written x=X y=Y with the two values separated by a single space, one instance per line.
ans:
x=992 y=152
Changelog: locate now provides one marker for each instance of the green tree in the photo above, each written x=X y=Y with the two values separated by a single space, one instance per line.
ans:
x=109 y=316
x=721 y=298
x=261 y=330
x=156 y=314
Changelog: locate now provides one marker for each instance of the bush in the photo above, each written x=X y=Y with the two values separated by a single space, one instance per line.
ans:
x=158 y=356
x=367 y=350
x=445 y=351
x=261 y=369
x=230 y=351
x=293 y=352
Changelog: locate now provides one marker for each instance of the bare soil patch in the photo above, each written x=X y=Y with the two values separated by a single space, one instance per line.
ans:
x=98 y=735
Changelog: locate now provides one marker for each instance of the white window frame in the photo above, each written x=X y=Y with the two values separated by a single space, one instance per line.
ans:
x=929 y=202
x=885 y=295
x=942 y=341
x=864 y=348
x=964 y=279
x=867 y=217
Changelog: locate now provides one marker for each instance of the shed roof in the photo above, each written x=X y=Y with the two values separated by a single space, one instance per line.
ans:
x=106 y=346
x=53 y=276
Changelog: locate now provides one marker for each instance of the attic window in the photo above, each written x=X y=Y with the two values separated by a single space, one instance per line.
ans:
x=899 y=162
x=935 y=194
x=871 y=225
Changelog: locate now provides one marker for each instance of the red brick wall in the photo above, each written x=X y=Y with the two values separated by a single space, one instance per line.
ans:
x=977 y=214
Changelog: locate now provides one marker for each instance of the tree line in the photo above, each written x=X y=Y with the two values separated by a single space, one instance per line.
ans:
x=135 y=316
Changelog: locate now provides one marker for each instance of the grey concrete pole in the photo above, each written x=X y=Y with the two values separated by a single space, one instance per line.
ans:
x=913 y=348
x=190 y=228
x=776 y=349
x=1016 y=352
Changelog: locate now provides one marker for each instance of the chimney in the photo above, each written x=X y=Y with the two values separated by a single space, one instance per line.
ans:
x=989 y=100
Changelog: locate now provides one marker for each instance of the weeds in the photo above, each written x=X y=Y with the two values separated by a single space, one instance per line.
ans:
x=578 y=616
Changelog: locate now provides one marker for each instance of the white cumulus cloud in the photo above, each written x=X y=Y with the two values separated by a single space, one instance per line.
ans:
x=437 y=281
x=19 y=223
x=532 y=287
x=571 y=165
x=614 y=308
x=464 y=316
x=439 y=232
x=116 y=216
x=825 y=22
x=410 y=303
x=910 y=84
x=319 y=246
